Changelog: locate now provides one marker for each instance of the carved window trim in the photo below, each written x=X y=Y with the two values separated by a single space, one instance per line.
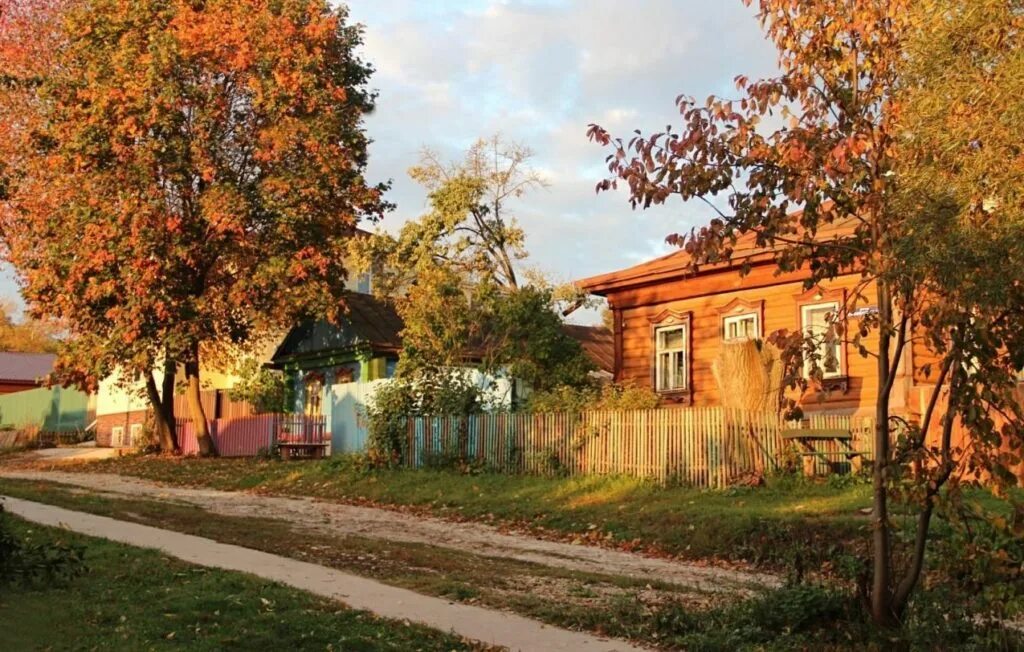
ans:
x=741 y=308
x=669 y=319
x=818 y=296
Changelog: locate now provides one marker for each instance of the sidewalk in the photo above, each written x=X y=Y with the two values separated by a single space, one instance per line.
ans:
x=493 y=627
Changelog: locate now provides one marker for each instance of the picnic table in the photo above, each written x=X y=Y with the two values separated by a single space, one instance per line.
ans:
x=810 y=439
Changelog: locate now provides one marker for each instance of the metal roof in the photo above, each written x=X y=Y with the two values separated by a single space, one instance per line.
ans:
x=27 y=368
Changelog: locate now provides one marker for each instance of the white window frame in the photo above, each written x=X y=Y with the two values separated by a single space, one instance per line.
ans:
x=135 y=434
x=733 y=319
x=117 y=436
x=684 y=350
x=805 y=311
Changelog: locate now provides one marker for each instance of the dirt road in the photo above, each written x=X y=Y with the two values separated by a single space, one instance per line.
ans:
x=477 y=538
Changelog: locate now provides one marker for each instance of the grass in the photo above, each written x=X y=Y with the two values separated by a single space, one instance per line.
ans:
x=135 y=599
x=562 y=597
x=762 y=525
x=202 y=609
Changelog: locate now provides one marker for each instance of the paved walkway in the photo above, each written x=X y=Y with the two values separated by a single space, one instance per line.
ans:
x=493 y=627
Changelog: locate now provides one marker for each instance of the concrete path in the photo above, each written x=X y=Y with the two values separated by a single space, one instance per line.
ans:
x=80 y=453
x=492 y=627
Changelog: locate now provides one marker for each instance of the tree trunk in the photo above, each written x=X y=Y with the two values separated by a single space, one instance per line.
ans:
x=165 y=430
x=167 y=389
x=881 y=581
x=913 y=576
x=195 y=406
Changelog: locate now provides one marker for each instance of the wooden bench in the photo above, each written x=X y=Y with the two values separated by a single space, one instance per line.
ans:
x=301 y=450
x=806 y=438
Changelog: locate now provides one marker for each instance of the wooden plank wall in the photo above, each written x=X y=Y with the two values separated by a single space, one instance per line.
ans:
x=703 y=447
x=961 y=436
x=781 y=312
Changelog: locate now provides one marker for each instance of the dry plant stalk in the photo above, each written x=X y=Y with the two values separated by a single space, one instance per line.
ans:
x=749 y=375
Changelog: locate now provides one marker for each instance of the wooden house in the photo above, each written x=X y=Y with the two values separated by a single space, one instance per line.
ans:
x=334 y=369
x=670 y=321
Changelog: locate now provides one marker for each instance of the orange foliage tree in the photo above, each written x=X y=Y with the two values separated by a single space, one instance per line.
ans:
x=901 y=119
x=179 y=175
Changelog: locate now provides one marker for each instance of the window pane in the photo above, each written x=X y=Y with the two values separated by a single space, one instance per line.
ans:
x=741 y=327
x=670 y=358
x=819 y=318
x=671 y=339
x=747 y=324
x=817 y=322
x=679 y=371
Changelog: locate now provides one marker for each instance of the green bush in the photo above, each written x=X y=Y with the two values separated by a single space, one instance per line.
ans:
x=24 y=562
x=264 y=389
x=435 y=393
x=602 y=397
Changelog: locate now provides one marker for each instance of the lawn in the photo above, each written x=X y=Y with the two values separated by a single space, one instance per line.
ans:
x=762 y=525
x=785 y=524
x=135 y=599
x=179 y=605
x=558 y=596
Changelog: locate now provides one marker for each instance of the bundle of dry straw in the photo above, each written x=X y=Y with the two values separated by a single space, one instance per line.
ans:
x=749 y=375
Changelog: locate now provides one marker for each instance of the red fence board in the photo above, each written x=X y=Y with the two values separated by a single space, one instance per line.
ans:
x=248 y=436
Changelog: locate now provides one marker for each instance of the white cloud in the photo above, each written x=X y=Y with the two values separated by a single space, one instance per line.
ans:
x=540 y=72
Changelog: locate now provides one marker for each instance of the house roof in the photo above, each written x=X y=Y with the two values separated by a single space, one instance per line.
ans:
x=680 y=263
x=369 y=322
x=372 y=322
x=25 y=368
x=597 y=342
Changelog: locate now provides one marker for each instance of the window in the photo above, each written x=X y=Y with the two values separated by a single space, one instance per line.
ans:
x=670 y=358
x=741 y=327
x=364 y=283
x=136 y=434
x=313 y=396
x=817 y=320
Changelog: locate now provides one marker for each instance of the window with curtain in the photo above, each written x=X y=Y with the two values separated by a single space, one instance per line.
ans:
x=314 y=397
x=817 y=321
x=741 y=327
x=671 y=358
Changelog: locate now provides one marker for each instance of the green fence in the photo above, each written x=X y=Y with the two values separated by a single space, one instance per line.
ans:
x=53 y=409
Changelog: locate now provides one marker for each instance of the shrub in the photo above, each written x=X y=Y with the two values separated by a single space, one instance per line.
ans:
x=436 y=393
x=264 y=389
x=603 y=397
x=25 y=562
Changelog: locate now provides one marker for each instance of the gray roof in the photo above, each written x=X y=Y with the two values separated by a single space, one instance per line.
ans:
x=368 y=321
x=25 y=367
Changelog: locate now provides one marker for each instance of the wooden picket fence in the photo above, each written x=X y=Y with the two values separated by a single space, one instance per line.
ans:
x=704 y=447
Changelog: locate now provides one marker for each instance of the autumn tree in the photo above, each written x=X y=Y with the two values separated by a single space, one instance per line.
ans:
x=470 y=226
x=901 y=121
x=180 y=176
x=26 y=335
x=456 y=277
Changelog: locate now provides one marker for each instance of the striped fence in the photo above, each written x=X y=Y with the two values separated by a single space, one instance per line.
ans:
x=703 y=447
x=249 y=435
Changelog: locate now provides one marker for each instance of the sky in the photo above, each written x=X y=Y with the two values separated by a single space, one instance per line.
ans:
x=538 y=72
